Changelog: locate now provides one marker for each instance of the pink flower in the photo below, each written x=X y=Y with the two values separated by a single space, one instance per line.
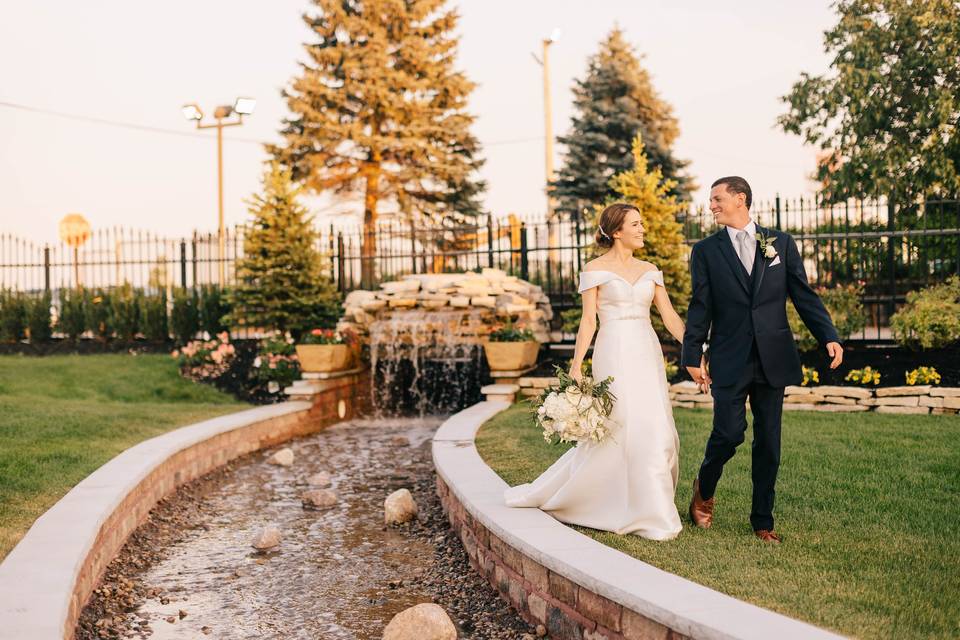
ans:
x=217 y=357
x=224 y=336
x=273 y=365
x=175 y=354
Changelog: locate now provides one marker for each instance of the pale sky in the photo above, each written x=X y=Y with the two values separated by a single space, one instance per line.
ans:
x=723 y=67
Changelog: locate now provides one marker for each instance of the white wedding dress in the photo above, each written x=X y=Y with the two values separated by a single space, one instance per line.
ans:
x=626 y=483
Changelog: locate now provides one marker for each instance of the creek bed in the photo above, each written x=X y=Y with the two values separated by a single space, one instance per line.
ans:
x=190 y=572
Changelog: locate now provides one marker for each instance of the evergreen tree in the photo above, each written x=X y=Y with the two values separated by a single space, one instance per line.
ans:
x=280 y=281
x=379 y=109
x=615 y=103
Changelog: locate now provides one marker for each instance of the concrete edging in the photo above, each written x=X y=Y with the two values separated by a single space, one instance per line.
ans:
x=575 y=586
x=48 y=576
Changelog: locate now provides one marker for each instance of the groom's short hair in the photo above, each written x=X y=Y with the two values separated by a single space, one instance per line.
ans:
x=736 y=184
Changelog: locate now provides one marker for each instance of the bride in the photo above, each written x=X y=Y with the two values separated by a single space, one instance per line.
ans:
x=626 y=483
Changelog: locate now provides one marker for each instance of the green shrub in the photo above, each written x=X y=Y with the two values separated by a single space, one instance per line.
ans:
x=39 y=320
x=931 y=317
x=846 y=311
x=154 y=317
x=125 y=311
x=96 y=308
x=185 y=316
x=213 y=307
x=72 y=321
x=13 y=316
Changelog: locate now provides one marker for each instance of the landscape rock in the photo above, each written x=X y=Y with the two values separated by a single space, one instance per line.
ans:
x=425 y=621
x=399 y=507
x=321 y=479
x=283 y=457
x=319 y=499
x=268 y=538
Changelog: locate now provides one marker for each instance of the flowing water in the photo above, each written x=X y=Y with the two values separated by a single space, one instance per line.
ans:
x=334 y=574
x=426 y=362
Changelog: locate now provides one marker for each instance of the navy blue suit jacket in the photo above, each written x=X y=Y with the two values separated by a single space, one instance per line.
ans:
x=733 y=312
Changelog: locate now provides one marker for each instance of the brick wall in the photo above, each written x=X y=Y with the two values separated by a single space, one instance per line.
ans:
x=568 y=611
x=199 y=459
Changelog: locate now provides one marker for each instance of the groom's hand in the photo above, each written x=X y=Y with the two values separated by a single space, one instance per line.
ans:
x=700 y=376
x=836 y=352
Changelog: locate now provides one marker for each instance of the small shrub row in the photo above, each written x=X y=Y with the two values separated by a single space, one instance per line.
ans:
x=123 y=312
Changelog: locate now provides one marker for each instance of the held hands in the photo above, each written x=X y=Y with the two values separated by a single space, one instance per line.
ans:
x=701 y=375
x=836 y=352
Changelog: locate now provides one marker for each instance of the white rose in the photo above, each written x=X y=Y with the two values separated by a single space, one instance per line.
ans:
x=770 y=251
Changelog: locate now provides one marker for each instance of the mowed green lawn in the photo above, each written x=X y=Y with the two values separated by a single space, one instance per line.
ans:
x=867 y=505
x=61 y=417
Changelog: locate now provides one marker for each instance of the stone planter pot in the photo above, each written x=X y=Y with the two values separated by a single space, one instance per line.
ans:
x=511 y=356
x=324 y=358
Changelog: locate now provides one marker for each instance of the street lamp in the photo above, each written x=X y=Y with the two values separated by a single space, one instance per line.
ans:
x=553 y=240
x=241 y=107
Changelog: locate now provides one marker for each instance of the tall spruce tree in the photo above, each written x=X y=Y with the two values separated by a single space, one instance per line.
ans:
x=615 y=103
x=280 y=280
x=379 y=109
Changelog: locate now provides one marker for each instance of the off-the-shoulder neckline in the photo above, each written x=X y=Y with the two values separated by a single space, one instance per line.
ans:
x=641 y=277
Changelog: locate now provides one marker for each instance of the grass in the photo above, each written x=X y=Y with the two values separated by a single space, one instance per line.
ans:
x=867 y=506
x=61 y=417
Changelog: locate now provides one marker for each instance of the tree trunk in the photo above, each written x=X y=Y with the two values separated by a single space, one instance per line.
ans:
x=368 y=247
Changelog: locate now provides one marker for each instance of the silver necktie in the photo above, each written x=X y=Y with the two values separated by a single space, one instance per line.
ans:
x=746 y=257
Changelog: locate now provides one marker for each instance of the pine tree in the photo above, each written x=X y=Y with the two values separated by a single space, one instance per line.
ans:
x=664 y=244
x=379 y=109
x=615 y=103
x=280 y=281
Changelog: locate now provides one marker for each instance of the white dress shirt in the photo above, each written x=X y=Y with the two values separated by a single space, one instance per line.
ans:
x=751 y=230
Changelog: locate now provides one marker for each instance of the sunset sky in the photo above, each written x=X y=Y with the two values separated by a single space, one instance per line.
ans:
x=722 y=67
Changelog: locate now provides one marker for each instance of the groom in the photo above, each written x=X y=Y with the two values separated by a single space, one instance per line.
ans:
x=742 y=276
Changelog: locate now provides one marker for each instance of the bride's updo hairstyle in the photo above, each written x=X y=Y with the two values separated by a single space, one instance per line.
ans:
x=611 y=221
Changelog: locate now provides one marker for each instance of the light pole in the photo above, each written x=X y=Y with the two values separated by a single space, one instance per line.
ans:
x=553 y=240
x=242 y=107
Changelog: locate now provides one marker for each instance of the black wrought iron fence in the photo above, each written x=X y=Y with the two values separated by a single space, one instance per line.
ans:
x=890 y=248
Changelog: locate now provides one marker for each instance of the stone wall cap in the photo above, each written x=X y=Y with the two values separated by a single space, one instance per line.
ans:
x=917 y=390
x=688 y=608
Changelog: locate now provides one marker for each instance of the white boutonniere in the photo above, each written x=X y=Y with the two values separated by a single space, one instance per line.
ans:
x=766 y=246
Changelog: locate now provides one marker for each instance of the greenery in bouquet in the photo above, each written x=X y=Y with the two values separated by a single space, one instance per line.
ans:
x=572 y=411
x=511 y=333
x=276 y=363
x=207 y=358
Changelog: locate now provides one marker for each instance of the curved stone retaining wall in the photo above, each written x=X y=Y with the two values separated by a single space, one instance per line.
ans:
x=573 y=585
x=47 y=578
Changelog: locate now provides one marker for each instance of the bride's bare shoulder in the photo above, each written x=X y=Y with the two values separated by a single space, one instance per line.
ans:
x=648 y=266
x=593 y=265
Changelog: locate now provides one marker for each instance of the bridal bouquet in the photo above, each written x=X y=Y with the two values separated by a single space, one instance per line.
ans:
x=574 y=411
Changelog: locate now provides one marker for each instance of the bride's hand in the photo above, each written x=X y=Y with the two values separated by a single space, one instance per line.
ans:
x=576 y=373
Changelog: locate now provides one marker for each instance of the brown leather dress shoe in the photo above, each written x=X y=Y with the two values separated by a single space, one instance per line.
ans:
x=767 y=536
x=701 y=511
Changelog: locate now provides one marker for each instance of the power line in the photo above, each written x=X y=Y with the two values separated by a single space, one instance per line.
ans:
x=119 y=124
x=186 y=134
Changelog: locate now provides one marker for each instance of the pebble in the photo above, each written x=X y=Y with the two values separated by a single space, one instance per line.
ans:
x=283 y=457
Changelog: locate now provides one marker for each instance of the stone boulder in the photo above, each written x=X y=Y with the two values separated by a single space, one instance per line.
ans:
x=399 y=507
x=319 y=499
x=425 y=621
x=283 y=457
x=267 y=538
